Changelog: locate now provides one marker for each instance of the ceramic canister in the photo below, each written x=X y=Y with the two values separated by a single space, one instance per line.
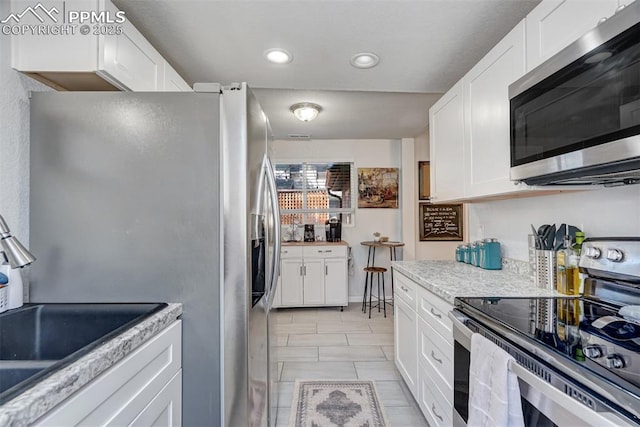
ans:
x=493 y=255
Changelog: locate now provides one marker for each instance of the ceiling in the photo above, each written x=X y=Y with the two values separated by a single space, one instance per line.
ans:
x=424 y=46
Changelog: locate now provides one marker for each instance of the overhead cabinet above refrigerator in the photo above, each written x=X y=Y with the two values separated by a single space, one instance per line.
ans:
x=111 y=56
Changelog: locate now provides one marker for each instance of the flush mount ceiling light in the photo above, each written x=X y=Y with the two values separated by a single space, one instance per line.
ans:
x=305 y=111
x=364 y=60
x=278 y=56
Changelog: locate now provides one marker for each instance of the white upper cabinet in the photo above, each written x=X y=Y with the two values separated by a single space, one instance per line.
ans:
x=486 y=103
x=446 y=134
x=555 y=24
x=112 y=55
x=172 y=80
x=128 y=60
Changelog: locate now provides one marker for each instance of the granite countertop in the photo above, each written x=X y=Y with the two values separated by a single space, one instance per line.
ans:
x=451 y=279
x=318 y=243
x=43 y=396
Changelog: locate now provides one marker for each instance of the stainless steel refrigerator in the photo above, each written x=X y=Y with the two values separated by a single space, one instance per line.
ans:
x=165 y=197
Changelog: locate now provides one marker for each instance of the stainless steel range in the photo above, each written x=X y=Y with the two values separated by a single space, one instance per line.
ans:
x=577 y=358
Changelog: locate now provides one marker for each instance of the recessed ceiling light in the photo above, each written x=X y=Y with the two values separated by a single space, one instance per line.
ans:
x=278 y=56
x=365 y=60
x=305 y=111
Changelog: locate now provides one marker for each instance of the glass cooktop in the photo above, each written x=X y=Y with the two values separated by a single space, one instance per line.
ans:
x=577 y=328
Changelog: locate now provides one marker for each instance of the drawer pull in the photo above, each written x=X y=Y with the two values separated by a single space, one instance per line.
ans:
x=439 y=316
x=433 y=409
x=433 y=356
x=404 y=289
x=327 y=251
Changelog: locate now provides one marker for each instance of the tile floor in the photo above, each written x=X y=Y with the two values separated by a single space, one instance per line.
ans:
x=324 y=343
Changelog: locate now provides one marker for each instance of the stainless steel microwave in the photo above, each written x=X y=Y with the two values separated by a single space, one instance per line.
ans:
x=575 y=119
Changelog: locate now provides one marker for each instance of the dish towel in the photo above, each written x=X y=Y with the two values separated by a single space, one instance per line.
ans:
x=494 y=393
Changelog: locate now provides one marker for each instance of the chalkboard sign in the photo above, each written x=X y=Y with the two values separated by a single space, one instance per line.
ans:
x=440 y=222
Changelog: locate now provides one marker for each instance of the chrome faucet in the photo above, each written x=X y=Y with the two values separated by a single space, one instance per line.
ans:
x=17 y=255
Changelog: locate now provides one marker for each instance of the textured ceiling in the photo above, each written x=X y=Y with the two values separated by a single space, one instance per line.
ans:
x=425 y=46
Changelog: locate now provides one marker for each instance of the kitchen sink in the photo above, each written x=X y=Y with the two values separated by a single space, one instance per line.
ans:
x=38 y=339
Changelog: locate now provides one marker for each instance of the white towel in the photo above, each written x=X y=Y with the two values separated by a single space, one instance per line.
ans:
x=494 y=393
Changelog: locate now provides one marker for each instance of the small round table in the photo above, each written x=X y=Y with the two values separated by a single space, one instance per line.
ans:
x=371 y=256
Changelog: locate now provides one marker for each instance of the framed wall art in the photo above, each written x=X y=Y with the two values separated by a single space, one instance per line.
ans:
x=441 y=222
x=424 y=181
x=378 y=188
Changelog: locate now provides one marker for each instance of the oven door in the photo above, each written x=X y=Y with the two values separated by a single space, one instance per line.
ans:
x=543 y=404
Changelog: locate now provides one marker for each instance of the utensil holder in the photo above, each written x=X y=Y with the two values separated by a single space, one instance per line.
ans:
x=545 y=269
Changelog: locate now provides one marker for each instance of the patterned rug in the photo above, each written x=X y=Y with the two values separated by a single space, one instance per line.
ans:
x=348 y=403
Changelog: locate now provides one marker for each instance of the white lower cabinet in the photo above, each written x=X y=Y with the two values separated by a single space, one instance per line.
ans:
x=312 y=276
x=405 y=349
x=145 y=388
x=424 y=349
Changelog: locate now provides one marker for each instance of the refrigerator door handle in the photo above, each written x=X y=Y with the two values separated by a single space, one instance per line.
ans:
x=273 y=193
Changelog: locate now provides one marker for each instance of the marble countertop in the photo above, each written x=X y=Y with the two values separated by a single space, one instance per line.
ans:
x=43 y=396
x=451 y=279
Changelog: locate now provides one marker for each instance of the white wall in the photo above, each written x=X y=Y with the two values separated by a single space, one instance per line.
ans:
x=429 y=250
x=363 y=153
x=600 y=213
x=14 y=139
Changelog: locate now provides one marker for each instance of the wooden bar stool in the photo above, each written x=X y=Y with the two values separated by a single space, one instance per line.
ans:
x=368 y=286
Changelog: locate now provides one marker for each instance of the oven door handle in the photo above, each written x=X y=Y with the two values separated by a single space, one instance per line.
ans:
x=461 y=333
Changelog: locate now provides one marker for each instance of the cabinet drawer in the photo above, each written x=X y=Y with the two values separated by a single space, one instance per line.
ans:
x=405 y=289
x=434 y=311
x=324 y=251
x=291 y=252
x=434 y=406
x=436 y=355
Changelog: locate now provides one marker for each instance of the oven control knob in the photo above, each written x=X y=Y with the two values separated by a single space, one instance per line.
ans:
x=614 y=255
x=593 y=351
x=614 y=361
x=593 y=252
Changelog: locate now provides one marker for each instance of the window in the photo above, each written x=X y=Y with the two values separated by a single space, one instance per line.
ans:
x=311 y=193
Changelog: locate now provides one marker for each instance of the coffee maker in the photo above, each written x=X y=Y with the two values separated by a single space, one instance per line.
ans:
x=309 y=233
x=333 y=229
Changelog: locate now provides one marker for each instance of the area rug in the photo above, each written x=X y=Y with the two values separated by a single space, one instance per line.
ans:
x=347 y=403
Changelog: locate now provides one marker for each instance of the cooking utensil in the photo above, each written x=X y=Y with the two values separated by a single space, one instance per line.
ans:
x=559 y=239
x=549 y=237
x=537 y=237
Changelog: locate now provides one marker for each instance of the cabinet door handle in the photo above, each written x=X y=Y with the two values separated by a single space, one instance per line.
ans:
x=433 y=356
x=326 y=270
x=301 y=270
x=439 y=316
x=433 y=409
x=305 y=270
x=404 y=289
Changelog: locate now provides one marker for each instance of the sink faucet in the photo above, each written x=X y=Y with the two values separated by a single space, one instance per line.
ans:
x=17 y=255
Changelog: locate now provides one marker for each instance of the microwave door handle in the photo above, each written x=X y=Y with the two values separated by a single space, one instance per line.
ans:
x=275 y=211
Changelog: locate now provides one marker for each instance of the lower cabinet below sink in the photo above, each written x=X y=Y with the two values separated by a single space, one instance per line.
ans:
x=145 y=388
